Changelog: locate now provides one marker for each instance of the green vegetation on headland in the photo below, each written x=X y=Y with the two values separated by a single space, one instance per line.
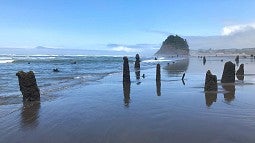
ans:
x=223 y=52
x=173 y=45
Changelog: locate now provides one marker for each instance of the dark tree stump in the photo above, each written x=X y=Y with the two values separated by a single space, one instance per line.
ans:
x=240 y=72
x=158 y=76
x=28 y=86
x=137 y=66
x=210 y=82
x=228 y=75
x=126 y=72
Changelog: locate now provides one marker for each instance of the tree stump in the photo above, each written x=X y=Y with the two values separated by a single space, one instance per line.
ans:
x=28 y=86
x=210 y=82
x=228 y=75
x=240 y=72
x=126 y=72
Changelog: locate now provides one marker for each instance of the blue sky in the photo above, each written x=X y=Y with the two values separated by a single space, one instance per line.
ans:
x=92 y=24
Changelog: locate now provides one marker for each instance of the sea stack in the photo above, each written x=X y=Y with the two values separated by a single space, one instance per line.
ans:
x=228 y=75
x=240 y=72
x=210 y=82
x=158 y=76
x=172 y=46
x=126 y=72
x=28 y=86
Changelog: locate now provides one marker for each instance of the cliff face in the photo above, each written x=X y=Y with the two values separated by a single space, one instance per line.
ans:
x=173 y=45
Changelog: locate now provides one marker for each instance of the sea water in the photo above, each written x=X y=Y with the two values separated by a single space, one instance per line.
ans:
x=73 y=70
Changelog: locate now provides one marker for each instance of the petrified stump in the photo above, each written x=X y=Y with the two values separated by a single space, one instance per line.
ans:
x=137 y=66
x=183 y=76
x=240 y=72
x=137 y=62
x=126 y=72
x=204 y=60
x=183 y=82
x=210 y=82
x=158 y=76
x=228 y=75
x=237 y=59
x=28 y=86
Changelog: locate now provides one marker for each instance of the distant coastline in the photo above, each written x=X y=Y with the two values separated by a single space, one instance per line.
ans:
x=223 y=52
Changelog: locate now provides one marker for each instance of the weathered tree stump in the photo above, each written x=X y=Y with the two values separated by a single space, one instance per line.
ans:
x=137 y=66
x=158 y=75
x=183 y=82
x=28 y=86
x=183 y=76
x=204 y=60
x=126 y=72
x=158 y=80
x=228 y=75
x=137 y=61
x=210 y=82
x=240 y=72
x=237 y=59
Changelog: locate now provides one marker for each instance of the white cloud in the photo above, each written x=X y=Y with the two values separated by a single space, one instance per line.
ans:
x=124 y=49
x=232 y=29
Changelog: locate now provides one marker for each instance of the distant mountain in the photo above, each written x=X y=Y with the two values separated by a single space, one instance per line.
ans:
x=41 y=47
x=173 y=45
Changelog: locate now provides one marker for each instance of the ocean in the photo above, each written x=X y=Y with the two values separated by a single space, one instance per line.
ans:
x=73 y=70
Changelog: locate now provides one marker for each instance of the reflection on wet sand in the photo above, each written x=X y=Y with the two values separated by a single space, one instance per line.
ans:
x=126 y=93
x=30 y=114
x=177 y=68
x=229 y=95
x=210 y=97
x=137 y=74
x=158 y=85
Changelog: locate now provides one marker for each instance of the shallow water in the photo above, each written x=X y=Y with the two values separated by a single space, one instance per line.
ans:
x=146 y=111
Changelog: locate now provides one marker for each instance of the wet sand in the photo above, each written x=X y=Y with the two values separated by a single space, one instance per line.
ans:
x=144 y=112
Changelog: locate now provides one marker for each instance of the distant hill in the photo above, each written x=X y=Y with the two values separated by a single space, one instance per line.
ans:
x=173 y=45
x=41 y=47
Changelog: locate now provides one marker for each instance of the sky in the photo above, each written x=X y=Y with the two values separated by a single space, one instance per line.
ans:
x=96 y=24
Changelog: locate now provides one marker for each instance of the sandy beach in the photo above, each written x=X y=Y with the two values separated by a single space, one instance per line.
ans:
x=105 y=112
